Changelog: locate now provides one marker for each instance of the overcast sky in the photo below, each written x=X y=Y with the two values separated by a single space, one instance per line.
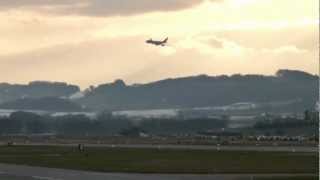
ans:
x=88 y=42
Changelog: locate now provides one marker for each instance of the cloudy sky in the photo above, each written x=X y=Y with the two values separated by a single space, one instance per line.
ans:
x=88 y=42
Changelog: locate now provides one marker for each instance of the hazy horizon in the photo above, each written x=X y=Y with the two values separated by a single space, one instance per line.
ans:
x=152 y=81
x=94 y=42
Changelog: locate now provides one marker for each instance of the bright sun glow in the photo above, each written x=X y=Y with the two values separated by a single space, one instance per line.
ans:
x=239 y=3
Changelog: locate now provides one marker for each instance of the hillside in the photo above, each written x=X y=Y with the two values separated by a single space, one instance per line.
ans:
x=203 y=91
x=36 y=89
x=45 y=104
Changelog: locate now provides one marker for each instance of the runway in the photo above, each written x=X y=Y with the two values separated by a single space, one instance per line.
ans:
x=20 y=172
x=195 y=147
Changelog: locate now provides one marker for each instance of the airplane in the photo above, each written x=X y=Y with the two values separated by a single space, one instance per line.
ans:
x=157 y=43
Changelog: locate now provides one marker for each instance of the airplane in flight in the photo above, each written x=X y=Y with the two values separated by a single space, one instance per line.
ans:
x=157 y=43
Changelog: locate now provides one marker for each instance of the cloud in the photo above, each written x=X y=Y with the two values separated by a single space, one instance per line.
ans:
x=302 y=37
x=216 y=43
x=99 y=7
x=103 y=60
x=85 y=63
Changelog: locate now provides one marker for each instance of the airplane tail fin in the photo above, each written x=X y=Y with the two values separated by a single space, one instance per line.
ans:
x=165 y=40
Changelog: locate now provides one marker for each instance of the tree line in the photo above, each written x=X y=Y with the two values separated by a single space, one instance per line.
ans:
x=104 y=124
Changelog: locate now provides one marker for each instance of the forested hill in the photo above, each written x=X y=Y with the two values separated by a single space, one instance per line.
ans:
x=203 y=90
x=36 y=89
x=45 y=104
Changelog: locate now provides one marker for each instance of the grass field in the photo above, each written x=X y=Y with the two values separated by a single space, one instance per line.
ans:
x=161 y=161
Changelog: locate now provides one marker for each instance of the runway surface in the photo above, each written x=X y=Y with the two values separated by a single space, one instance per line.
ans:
x=196 y=147
x=20 y=172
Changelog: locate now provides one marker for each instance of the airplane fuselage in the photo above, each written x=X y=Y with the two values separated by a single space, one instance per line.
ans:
x=157 y=43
